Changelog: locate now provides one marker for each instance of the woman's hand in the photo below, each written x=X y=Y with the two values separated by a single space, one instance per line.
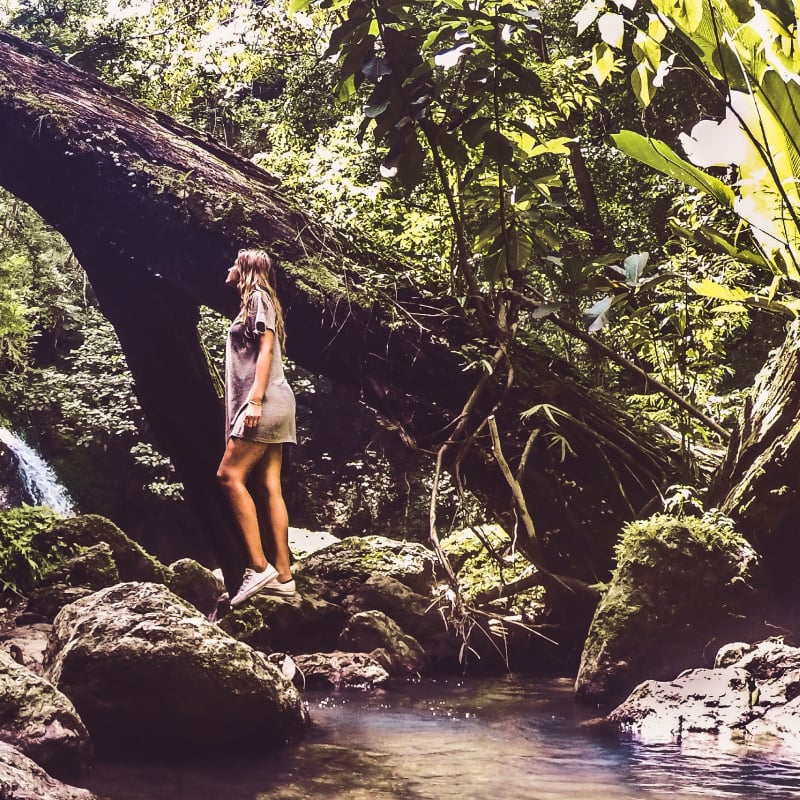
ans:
x=252 y=416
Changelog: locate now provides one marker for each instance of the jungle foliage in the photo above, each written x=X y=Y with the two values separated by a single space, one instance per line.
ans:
x=469 y=143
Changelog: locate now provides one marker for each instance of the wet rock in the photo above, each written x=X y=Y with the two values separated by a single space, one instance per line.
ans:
x=196 y=584
x=133 y=563
x=339 y=569
x=298 y=624
x=40 y=721
x=730 y=653
x=149 y=673
x=755 y=699
x=368 y=631
x=27 y=644
x=341 y=670
x=13 y=492
x=647 y=624
x=23 y=779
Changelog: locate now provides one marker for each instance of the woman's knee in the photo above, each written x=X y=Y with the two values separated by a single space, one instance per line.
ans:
x=226 y=477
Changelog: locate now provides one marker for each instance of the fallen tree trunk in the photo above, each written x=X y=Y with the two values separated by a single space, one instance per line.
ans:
x=155 y=213
x=758 y=483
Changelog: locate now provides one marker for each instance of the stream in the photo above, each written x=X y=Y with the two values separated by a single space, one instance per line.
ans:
x=461 y=739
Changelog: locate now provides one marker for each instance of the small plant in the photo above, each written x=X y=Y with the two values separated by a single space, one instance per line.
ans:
x=21 y=565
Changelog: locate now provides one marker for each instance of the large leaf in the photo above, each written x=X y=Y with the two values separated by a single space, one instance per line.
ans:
x=660 y=156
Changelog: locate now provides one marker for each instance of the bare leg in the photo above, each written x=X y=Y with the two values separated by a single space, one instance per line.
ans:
x=240 y=459
x=267 y=487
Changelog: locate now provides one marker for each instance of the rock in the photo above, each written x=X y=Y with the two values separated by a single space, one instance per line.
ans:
x=303 y=543
x=133 y=563
x=45 y=603
x=647 y=624
x=483 y=557
x=414 y=613
x=13 y=492
x=730 y=653
x=755 y=699
x=27 y=644
x=40 y=721
x=299 y=624
x=196 y=584
x=341 y=670
x=339 y=569
x=94 y=569
x=373 y=630
x=149 y=673
x=23 y=779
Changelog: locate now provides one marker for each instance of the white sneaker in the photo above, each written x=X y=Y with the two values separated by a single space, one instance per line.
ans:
x=276 y=587
x=253 y=582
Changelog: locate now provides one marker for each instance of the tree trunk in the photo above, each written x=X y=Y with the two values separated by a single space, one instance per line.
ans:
x=156 y=212
x=758 y=484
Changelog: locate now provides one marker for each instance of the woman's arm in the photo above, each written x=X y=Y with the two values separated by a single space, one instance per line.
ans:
x=266 y=344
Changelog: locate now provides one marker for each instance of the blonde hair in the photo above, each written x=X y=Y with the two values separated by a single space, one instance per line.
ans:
x=257 y=271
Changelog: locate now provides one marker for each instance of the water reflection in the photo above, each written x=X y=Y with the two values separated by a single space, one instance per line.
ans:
x=462 y=740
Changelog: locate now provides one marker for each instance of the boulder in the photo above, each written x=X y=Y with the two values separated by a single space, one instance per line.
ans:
x=647 y=624
x=77 y=577
x=45 y=603
x=23 y=779
x=339 y=569
x=148 y=672
x=94 y=568
x=369 y=631
x=485 y=557
x=27 y=644
x=414 y=613
x=298 y=624
x=754 y=699
x=132 y=561
x=196 y=584
x=341 y=670
x=302 y=542
x=13 y=492
x=40 y=721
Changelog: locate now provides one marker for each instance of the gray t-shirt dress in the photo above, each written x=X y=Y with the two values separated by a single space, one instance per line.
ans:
x=277 y=423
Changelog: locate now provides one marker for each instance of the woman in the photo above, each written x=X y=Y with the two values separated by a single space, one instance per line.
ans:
x=259 y=411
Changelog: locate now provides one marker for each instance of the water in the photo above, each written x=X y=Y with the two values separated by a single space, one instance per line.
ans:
x=514 y=739
x=39 y=478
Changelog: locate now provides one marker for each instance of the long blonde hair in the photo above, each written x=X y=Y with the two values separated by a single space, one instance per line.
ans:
x=257 y=271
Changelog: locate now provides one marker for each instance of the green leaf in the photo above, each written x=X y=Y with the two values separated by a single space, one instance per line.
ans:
x=587 y=14
x=453 y=148
x=603 y=62
x=473 y=131
x=642 y=83
x=709 y=288
x=660 y=156
x=612 y=29
x=498 y=148
x=298 y=5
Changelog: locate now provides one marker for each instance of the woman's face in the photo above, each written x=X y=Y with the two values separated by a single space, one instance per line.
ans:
x=233 y=274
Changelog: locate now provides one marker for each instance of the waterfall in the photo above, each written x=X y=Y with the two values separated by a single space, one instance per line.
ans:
x=39 y=478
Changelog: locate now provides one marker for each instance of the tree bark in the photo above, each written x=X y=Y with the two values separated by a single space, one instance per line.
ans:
x=155 y=213
x=758 y=483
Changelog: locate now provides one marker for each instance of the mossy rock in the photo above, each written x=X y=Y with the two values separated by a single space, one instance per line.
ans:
x=370 y=631
x=196 y=584
x=132 y=561
x=94 y=569
x=484 y=557
x=298 y=624
x=681 y=588
x=339 y=569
